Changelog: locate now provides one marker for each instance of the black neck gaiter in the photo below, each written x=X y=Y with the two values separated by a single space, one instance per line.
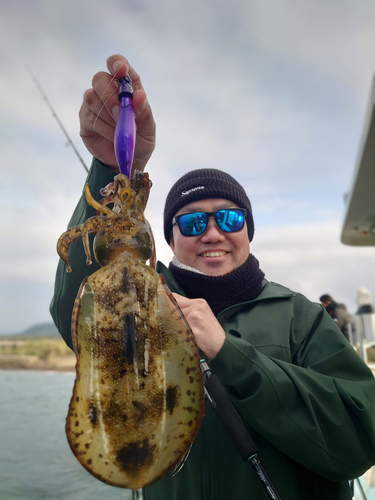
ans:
x=240 y=285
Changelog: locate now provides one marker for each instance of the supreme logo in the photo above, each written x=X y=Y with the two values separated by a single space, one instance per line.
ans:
x=184 y=193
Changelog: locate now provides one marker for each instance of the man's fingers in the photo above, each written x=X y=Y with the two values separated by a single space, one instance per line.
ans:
x=92 y=104
x=181 y=299
x=106 y=99
x=91 y=123
x=119 y=66
x=186 y=305
x=106 y=89
x=100 y=109
x=136 y=79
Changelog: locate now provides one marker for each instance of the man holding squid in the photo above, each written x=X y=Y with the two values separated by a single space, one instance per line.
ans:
x=305 y=396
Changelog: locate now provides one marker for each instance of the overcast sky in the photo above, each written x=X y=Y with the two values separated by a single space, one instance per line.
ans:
x=274 y=93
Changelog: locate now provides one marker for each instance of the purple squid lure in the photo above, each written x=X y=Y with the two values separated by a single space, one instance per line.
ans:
x=125 y=128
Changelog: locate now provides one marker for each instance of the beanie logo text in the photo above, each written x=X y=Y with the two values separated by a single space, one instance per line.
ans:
x=184 y=193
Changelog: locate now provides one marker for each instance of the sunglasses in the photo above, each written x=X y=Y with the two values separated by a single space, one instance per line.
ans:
x=229 y=220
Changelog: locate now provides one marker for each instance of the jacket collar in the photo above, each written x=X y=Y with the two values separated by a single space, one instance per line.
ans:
x=269 y=291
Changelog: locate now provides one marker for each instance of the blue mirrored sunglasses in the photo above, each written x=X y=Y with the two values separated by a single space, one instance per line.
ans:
x=229 y=220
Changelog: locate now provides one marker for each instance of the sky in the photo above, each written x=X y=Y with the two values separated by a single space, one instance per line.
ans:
x=274 y=93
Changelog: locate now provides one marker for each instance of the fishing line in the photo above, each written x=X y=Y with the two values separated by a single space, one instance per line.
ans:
x=43 y=94
x=110 y=95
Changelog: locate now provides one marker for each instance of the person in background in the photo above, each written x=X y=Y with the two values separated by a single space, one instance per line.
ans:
x=365 y=323
x=339 y=313
x=304 y=395
x=364 y=301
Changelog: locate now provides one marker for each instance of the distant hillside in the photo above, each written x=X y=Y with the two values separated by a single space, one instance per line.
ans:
x=39 y=330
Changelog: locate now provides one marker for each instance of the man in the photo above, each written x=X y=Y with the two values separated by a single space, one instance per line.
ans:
x=339 y=313
x=304 y=395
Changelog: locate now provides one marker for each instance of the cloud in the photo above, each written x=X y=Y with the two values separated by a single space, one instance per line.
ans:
x=273 y=95
x=310 y=259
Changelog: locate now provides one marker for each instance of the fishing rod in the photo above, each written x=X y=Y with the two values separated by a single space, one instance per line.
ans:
x=43 y=94
x=231 y=420
x=233 y=424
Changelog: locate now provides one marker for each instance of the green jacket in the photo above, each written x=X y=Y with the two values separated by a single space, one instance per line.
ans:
x=306 y=397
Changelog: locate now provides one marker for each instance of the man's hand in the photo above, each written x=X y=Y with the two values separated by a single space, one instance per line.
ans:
x=207 y=331
x=100 y=109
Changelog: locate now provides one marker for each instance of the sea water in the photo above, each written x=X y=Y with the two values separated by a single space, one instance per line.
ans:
x=35 y=459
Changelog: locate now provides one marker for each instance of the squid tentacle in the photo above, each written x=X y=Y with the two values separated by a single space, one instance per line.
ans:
x=95 y=204
x=129 y=201
x=64 y=241
x=92 y=225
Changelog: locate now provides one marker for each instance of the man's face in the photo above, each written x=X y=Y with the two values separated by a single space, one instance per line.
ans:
x=214 y=252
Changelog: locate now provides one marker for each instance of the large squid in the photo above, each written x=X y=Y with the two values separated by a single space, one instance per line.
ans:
x=138 y=397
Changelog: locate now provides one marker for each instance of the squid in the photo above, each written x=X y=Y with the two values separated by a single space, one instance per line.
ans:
x=138 y=396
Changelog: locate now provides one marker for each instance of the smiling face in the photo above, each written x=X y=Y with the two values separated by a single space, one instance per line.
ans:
x=214 y=252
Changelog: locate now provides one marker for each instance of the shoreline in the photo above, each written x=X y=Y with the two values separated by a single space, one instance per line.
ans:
x=57 y=363
x=30 y=362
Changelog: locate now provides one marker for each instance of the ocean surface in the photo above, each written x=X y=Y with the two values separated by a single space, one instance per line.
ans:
x=36 y=462
x=35 y=459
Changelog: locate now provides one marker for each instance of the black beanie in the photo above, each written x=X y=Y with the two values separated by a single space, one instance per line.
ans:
x=202 y=184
